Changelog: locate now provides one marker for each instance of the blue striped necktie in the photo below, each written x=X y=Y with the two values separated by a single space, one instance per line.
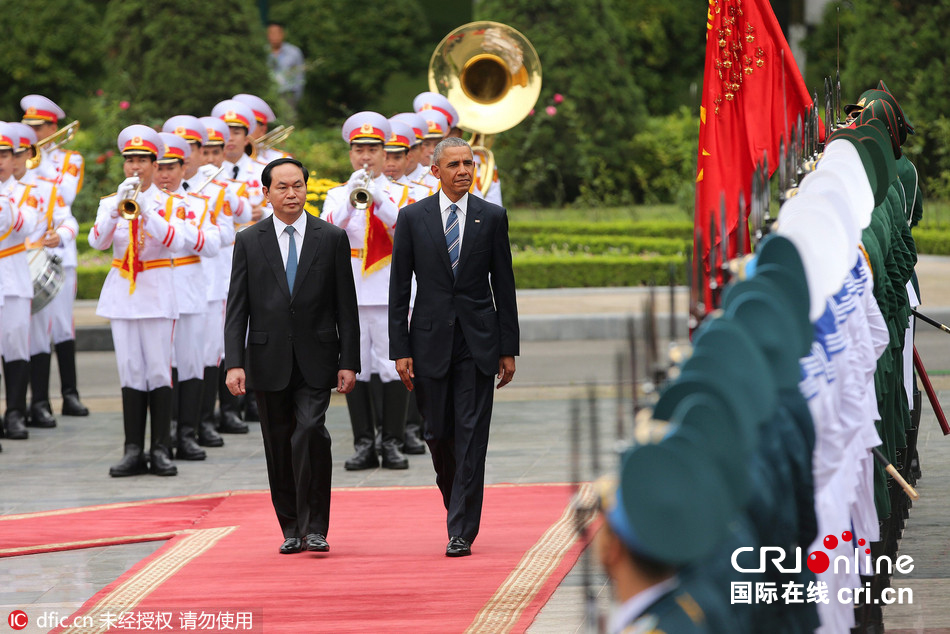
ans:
x=452 y=238
x=291 y=258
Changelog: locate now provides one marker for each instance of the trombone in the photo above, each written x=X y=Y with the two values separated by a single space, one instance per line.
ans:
x=269 y=140
x=53 y=142
x=129 y=208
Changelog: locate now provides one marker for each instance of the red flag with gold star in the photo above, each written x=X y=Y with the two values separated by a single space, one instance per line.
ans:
x=742 y=113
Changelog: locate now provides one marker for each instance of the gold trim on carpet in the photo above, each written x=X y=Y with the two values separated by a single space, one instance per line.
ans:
x=88 y=543
x=504 y=609
x=133 y=590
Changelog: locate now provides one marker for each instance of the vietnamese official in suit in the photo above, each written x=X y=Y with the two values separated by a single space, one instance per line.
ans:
x=464 y=328
x=292 y=293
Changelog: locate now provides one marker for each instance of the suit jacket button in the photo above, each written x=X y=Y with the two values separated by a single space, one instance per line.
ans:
x=451 y=322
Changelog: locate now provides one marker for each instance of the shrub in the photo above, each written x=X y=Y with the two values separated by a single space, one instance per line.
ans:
x=553 y=271
x=682 y=230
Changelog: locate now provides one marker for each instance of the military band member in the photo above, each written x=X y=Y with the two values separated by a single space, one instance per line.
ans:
x=396 y=162
x=370 y=232
x=66 y=168
x=239 y=209
x=414 y=169
x=202 y=239
x=55 y=231
x=437 y=126
x=440 y=103
x=263 y=115
x=138 y=298
x=239 y=167
x=15 y=280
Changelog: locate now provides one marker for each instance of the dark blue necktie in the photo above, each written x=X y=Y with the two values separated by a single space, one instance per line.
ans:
x=291 y=258
x=452 y=237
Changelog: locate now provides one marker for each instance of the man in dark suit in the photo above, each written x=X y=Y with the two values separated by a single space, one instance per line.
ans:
x=292 y=292
x=464 y=328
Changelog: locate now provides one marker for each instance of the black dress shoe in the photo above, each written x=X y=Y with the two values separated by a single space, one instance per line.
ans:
x=364 y=458
x=208 y=436
x=392 y=457
x=132 y=463
x=413 y=446
x=232 y=424
x=458 y=547
x=188 y=449
x=14 y=426
x=73 y=407
x=317 y=543
x=41 y=415
x=291 y=545
x=161 y=462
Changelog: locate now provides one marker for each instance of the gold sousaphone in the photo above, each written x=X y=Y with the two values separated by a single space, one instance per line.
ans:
x=492 y=75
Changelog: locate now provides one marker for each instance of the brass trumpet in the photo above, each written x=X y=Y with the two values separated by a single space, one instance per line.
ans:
x=129 y=207
x=360 y=197
x=55 y=141
x=208 y=182
x=269 y=140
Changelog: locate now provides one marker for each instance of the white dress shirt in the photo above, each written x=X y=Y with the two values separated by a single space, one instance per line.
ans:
x=283 y=240
x=462 y=204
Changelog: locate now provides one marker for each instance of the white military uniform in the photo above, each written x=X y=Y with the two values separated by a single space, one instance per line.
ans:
x=142 y=318
x=202 y=241
x=53 y=321
x=15 y=271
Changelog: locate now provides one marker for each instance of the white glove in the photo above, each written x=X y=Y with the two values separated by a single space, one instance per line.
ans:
x=127 y=187
x=356 y=179
x=207 y=171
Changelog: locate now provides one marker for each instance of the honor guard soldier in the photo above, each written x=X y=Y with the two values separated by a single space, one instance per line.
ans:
x=140 y=223
x=436 y=128
x=244 y=171
x=365 y=207
x=435 y=101
x=397 y=161
x=55 y=233
x=238 y=210
x=414 y=168
x=202 y=239
x=263 y=115
x=66 y=168
x=15 y=280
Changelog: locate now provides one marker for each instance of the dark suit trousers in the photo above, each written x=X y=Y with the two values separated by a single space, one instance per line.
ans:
x=297 y=448
x=457 y=412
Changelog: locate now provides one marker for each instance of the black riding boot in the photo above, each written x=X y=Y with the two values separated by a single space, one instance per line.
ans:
x=207 y=434
x=66 y=360
x=189 y=413
x=41 y=415
x=361 y=420
x=134 y=413
x=160 y=455
x=17 y=375
x=395 y=400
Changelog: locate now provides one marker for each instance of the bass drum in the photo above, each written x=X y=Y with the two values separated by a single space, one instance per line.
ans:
x=46 y=271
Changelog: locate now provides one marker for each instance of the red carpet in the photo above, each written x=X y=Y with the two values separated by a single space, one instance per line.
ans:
x=386 y=571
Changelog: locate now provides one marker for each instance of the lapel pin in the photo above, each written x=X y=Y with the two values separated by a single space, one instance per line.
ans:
x=477 y=221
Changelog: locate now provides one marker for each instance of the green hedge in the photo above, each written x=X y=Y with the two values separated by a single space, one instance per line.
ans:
x=680 y=229
x=552 y=271
x=932 y=241
x=89 y=281
x=597 y=245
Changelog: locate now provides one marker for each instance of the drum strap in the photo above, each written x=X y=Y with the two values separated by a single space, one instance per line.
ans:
x=17 y=248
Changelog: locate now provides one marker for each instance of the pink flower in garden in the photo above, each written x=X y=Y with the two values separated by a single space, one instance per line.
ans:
x=100 y=92
x=558 y=97
x=551 y=110
x=532 y=112
x=124 y=105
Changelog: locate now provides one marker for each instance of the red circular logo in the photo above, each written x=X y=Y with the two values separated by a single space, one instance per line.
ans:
x=818 y=562
x=18 y=619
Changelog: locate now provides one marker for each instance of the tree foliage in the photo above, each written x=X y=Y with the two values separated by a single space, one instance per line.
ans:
x=352 y=48
x=578 y=142
x=181 y=56
x=51 y=47
x=903 y=43
x=667 y=50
